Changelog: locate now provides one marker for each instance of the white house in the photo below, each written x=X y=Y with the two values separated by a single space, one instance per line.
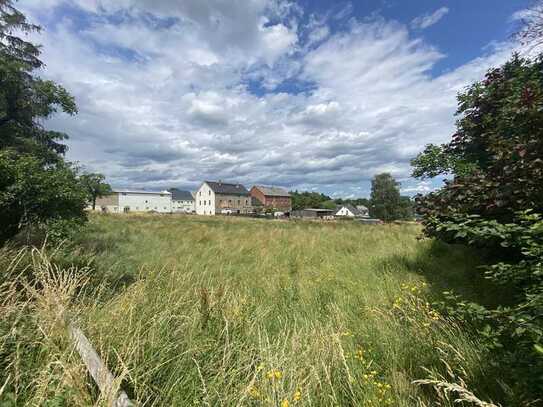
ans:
x=350 y=211
x=124 y=201
x=182 y=201
x=222 y=198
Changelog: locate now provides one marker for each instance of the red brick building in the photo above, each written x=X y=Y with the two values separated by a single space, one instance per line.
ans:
x=272 y=197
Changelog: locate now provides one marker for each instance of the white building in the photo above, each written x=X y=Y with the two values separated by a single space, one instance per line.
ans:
x=350 y=211
x=215 y=198
x=124 y=201
x=182 y=201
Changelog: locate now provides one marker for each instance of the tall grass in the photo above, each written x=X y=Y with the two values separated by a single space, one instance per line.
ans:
x=226 y=311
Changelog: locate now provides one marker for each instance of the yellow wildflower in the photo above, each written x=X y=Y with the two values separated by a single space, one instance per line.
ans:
x=284 y=403
x=254 y=392
x=274 y=374
x=297 y=396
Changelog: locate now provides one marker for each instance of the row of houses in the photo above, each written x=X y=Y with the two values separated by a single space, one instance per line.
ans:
x=218 y=198
x=211 y=198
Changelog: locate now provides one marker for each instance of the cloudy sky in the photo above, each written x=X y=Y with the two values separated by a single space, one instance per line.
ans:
x=313 y=95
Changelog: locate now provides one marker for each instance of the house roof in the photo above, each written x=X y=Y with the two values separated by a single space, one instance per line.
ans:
x=272 y=191
x=180 y=195
x=133 y=191
x=351 y=208
x=227 y=189
x=362 y=208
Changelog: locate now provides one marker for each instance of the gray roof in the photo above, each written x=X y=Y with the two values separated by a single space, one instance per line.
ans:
x=227 y=189
x=180 y=195
x=272 y=191
x=362 y=208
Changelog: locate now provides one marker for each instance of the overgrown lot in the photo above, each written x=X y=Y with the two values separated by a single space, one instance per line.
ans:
x=225 y=311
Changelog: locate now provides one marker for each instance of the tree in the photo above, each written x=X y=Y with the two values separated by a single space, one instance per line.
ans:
x=302 y=200
x=385 y=198
x=495 y=201
x=406 y=208
x=37 y=185
x=25 y=99
x=95 y=186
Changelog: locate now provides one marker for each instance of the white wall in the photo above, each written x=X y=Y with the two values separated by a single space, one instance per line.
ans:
x=344 y=212
x=145 y=202
x=204 y=201
x=183 y=206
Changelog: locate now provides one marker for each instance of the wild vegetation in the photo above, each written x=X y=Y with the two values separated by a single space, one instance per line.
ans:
x=225 y=311
x=495 y=201
x=38 y=187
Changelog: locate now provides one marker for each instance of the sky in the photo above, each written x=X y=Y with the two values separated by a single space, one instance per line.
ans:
x=308 y=95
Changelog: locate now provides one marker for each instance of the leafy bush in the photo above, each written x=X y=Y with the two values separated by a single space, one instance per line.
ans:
x=31 y=194
x=495 y=201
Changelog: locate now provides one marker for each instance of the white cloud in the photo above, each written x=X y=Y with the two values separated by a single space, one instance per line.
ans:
x=168 y=103
x=427 y=20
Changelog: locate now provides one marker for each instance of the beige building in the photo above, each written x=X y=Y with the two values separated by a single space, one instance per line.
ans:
x=216 y=198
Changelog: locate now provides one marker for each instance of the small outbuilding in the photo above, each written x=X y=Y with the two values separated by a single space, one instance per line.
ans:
x=312 y=213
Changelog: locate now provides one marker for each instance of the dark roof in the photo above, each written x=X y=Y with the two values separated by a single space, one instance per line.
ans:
x=272 y=191
x=318 y=210
x=179 y=195
x=227 y=189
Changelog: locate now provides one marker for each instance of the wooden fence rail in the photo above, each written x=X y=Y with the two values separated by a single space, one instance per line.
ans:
x=97 y=369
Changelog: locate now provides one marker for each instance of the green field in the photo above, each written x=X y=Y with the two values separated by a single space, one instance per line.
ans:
x=227 y=311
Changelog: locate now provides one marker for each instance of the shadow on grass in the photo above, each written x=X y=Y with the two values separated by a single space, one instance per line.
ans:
x=449 y=267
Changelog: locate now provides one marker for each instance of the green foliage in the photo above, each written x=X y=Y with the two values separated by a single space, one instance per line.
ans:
x=36 y=186
x=302 y=200
x=386 y=202
x=95 y=186
x=495 y=201
x=33 y=194
x=25 y=99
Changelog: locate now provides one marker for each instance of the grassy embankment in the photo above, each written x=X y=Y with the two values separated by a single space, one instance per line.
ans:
x=226 y=311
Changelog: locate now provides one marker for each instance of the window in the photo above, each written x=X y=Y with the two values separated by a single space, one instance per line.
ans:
x=209 y=192
x=239 y=201
x=200 y=193
x=124 y=193
x=146 y=201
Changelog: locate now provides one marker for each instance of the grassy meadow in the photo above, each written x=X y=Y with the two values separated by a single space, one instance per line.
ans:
x=188 y=310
